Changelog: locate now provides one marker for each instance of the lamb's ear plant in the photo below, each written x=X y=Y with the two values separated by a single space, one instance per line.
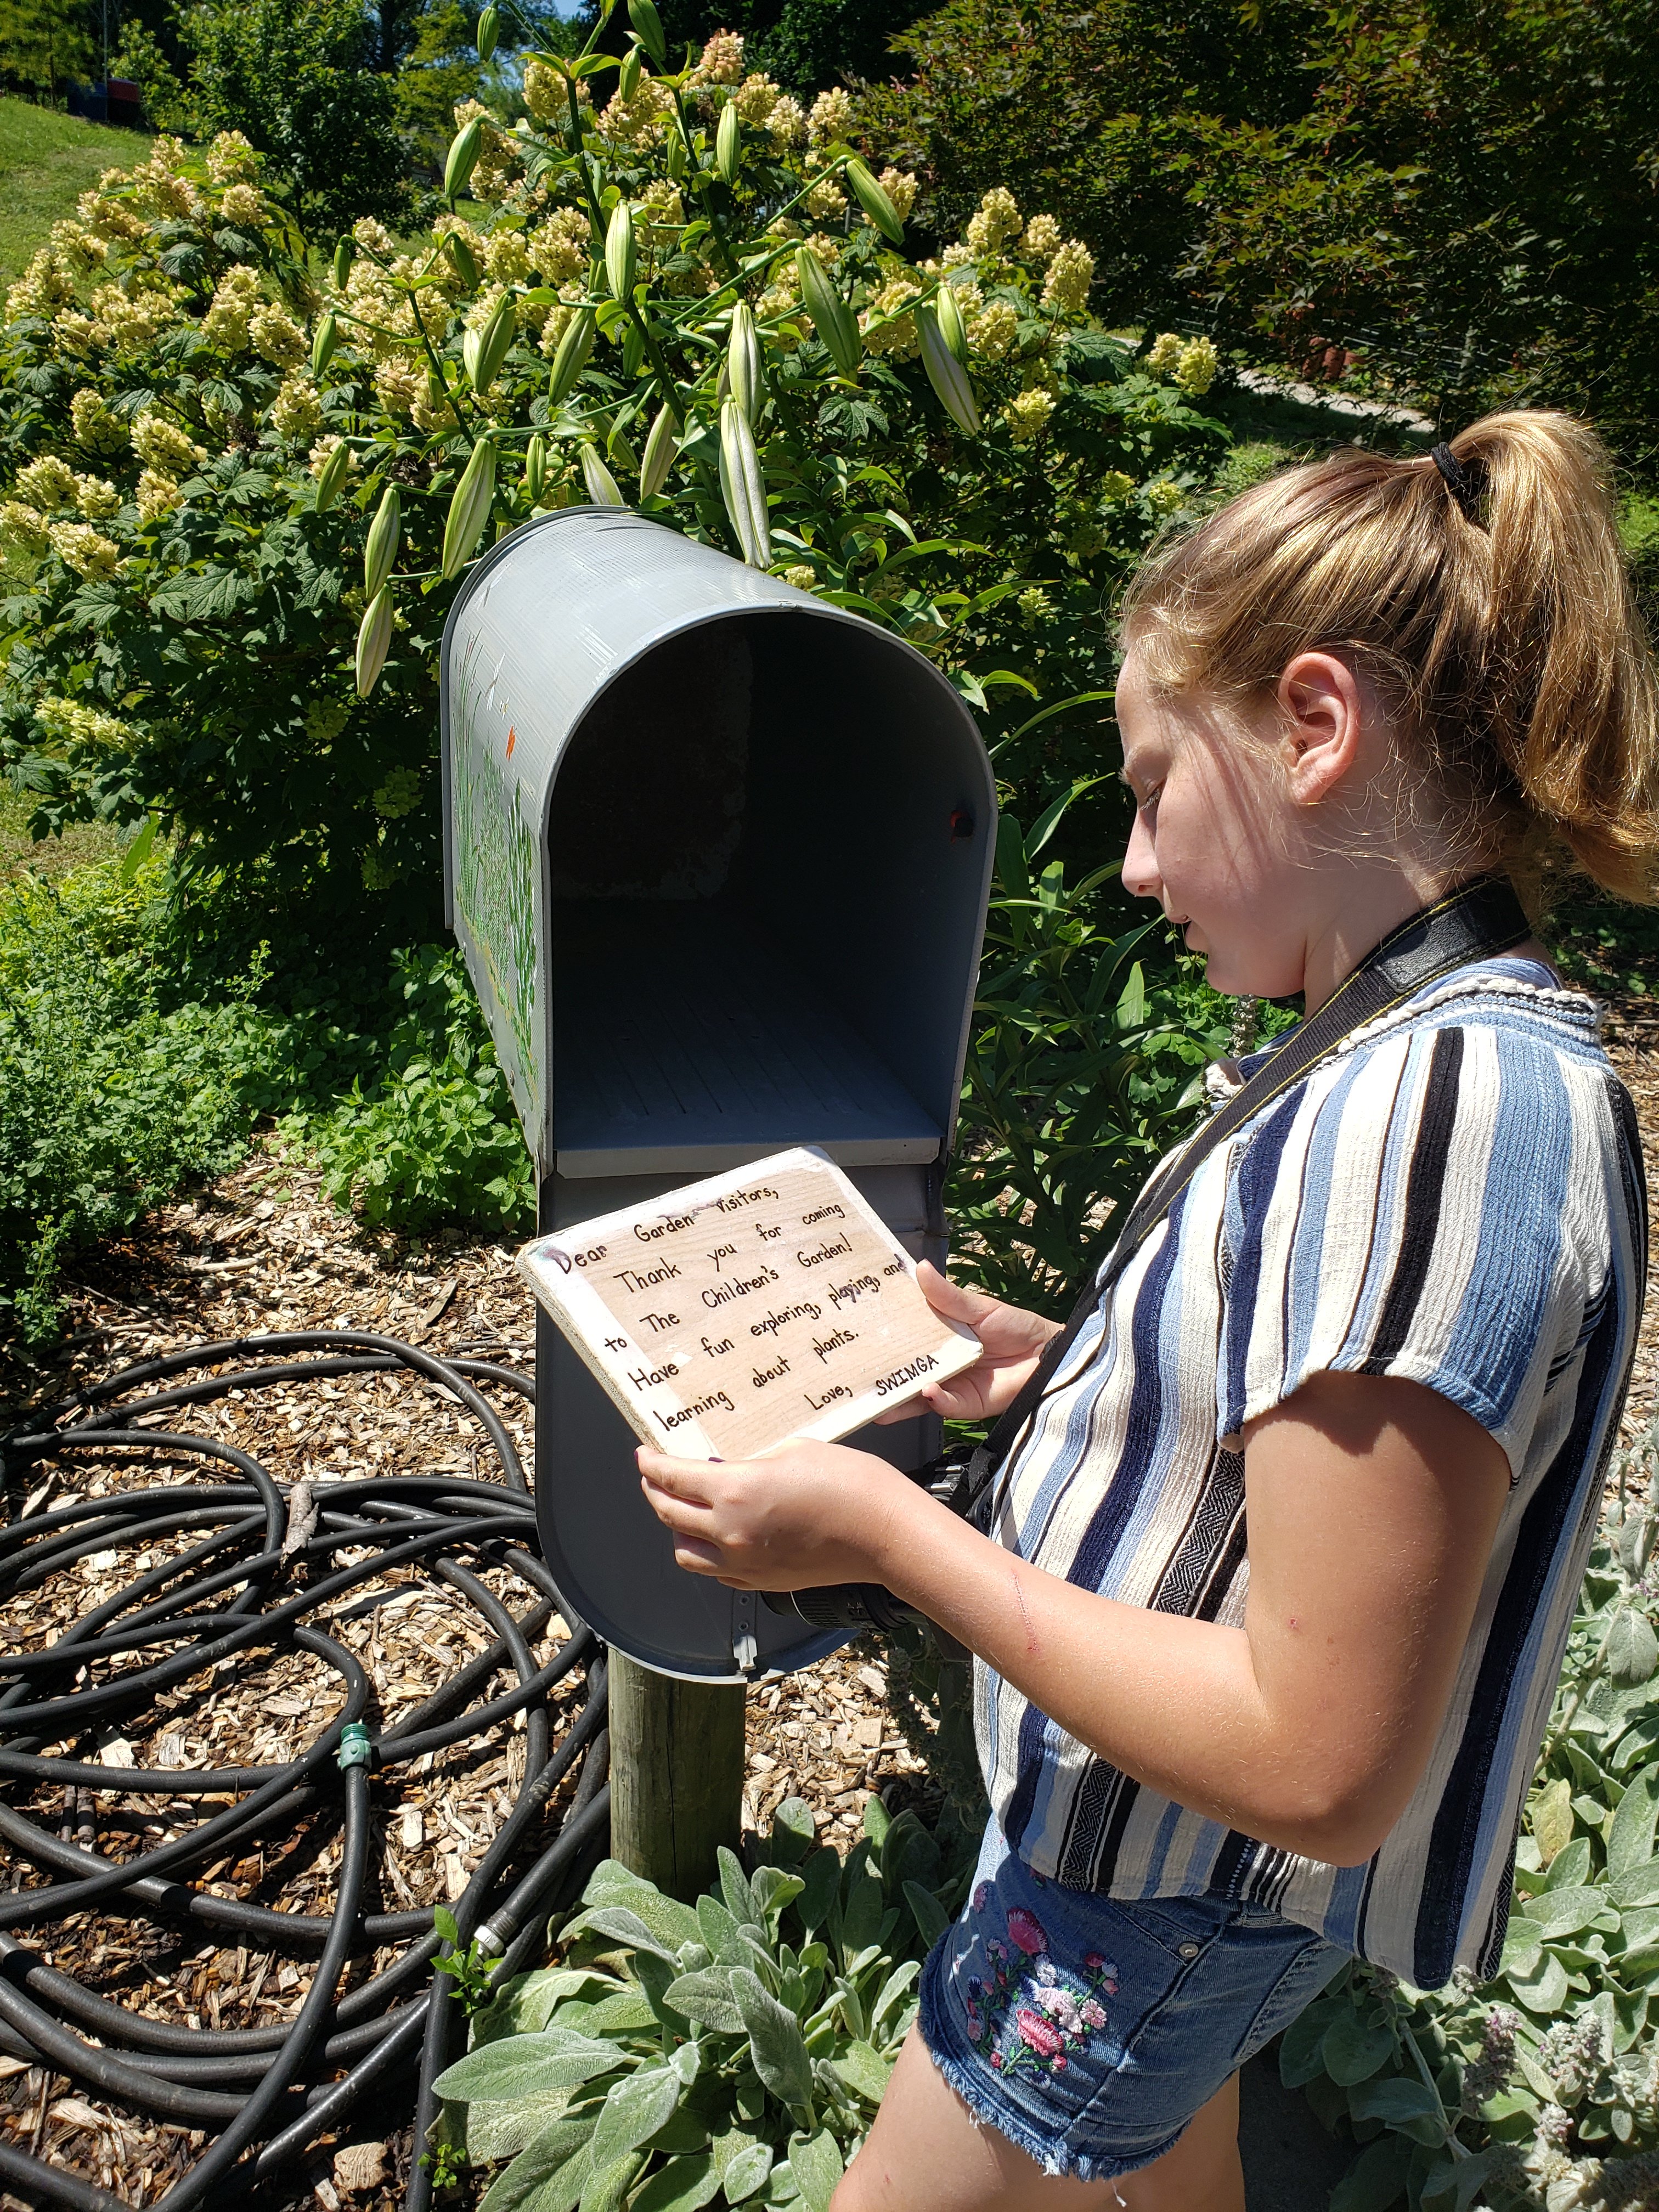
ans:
x=1540 y=2087
x=733 y=2052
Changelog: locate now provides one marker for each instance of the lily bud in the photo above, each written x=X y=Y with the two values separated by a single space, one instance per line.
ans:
x=659 y=455
x=946 y=373
x=728 y=145
x=464 y=260
x=875 y=203
x=602 y=488
x=647 y=29
x=535 y=468
x=374 y=636
x=743 y=362
x=952 y=328
x=323 y=345
x=621 y=255
x=381 y=551
x=489 y=25
x=331 y=481
x=463 y=158
x=469 y=508
x=832 y=318
x=742 y=487
x=571 y=358
x=628 y=78
x=344 y=254
x=483 y=351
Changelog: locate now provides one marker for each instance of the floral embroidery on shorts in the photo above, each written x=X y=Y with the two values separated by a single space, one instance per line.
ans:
x=1024 y=2014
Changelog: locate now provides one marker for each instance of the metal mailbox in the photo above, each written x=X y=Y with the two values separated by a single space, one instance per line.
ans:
x=718 y=856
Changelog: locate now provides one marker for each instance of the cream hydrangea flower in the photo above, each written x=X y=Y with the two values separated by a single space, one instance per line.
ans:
x=234 y=299
x=1042 y=238
x=498 y=154
x=78 y=335
x=823 y=249
x=826 y=200
x=373 y=237
x=830 y=116
x=1027 y=414
x=245 y=206
x=1165 y=497
x=545 y=93
x=134 y=320
x=506 y=258
x=276 y=335
x=992 y=333
x=95 y=424
x=658 y=207
x=1116 y=485
x=230 y=158
x=1034 y=605
x=756 y=98
x=996 y=222
x=1164 y=352
x=800 y=576
x=630 y=122
x=1195 y=371
x=110 y=218
x=1070 y=275
x=158 y=494
x=296 y=412
x=78 y=248
x=324 y=451
x=957 y=256
x=42 y=289
x=23 y=526
x=46 y=483
x=787 y=122
x=159 y=189
x=431 y=407
x=721 y=60
x=84 y=549
x=96 y=497
x=899 y=336
x=163 y=445
x=399 y=385
x=72 y=722
x=901 y=189
x=399 y=794
x=558 y=249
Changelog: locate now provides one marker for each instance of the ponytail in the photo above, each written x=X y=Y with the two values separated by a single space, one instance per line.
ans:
x=1483 y=588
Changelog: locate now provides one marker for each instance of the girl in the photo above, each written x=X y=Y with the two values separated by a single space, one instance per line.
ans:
x=1385 y=1327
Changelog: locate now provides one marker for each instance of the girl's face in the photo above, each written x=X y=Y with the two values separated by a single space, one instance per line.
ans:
x=1216 y=837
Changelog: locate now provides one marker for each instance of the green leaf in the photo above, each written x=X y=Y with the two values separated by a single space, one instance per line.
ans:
x=1630 y=1840
x=1543 y=1991
x=1523 y=1947
x=1632 y=1648
x=795 y=1827
x=734 y=1888
x=748 y=2171
x=443 y=1921
x=1570 y=1866
x=1635 y=1886
x=525 y=2065
x=931 y=1918
x=1454 y=2185
x=628 y=2013
x=821 y=1876
x=502 y=2130
x=774 y=1891
x=705 y=1997
x=684 y=2184
x=1012 y=872
x=607 y=2187
x=639 y=2105
x=864 y=2070
x=1376 y=2179
x=817 y=2167
x=1405 y=2104
x=776 y=2044
x=1564 y=1912
x=623 y=1925
x=1552 y=1818
x=560 y=2150
x=1300 y=2052
x=1354 y=2049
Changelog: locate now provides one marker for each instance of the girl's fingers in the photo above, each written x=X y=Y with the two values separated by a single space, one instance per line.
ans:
x=697 y=1557
x=680 y=1478
x=676 y=1513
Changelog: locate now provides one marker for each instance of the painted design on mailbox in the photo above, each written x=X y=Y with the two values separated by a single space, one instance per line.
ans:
x=495 y=895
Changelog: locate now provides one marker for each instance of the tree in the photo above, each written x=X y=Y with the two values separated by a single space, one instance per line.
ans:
x=805 y=44
x=293 y=76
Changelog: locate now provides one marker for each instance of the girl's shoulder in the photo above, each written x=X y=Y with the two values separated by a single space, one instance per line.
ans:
x=1523 y=999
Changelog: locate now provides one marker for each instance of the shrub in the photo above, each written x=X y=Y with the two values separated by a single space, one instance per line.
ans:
x=176 y=376
x=737 y=2049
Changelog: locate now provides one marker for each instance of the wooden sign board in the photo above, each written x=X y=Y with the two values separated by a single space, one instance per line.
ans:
x=761 y=1304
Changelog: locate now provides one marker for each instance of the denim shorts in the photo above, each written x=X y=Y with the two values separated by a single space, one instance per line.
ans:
x=1090 y=2030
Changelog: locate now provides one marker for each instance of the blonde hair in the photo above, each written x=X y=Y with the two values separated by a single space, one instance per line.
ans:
x=1488 y=600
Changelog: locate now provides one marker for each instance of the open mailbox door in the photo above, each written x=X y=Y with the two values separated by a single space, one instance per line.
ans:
x=718 y=856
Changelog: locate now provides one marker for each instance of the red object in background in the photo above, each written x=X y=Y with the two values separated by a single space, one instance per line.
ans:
x=126 y=103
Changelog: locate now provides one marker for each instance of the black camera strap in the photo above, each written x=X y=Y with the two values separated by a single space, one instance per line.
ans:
x=1482 y=919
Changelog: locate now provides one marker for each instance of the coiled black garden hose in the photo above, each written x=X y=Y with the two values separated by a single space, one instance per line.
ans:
x=261 y=1572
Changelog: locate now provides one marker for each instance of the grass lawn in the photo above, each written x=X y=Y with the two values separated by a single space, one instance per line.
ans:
x=46 y=161
x=78 y=849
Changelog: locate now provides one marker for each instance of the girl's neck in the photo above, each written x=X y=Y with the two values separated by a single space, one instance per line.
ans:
x=1373 y=903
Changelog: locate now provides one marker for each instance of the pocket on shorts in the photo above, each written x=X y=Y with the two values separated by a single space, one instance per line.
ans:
x=1301 y=1982
x=1185 y=1927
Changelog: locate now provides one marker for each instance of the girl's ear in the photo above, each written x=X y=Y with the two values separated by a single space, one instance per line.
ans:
x=1324 y=712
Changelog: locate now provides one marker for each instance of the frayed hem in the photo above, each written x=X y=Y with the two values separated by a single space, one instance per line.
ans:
x=1063 y=2164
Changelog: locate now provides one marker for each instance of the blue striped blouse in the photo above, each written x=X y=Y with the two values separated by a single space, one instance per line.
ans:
x=1456 y=1197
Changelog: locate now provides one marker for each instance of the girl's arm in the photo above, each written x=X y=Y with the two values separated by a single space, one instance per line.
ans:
x=1372 y=1506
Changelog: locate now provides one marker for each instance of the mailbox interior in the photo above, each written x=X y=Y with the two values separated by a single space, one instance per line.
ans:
x=766 y=875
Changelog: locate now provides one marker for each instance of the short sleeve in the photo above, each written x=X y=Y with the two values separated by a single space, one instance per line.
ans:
x=1429 y=1207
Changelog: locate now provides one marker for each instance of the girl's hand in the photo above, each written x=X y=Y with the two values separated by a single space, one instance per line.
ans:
x=1013 y=1340
x=806 y=1514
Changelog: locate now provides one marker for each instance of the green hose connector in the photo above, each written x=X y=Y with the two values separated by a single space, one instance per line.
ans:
x=354 y=1748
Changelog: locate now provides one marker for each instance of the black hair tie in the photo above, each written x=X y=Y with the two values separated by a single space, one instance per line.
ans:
x=1459 y=481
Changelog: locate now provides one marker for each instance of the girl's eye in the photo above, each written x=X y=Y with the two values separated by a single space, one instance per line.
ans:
x=1149 y=805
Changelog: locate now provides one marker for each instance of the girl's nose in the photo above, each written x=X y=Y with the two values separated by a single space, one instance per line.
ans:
x=1140 y=876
